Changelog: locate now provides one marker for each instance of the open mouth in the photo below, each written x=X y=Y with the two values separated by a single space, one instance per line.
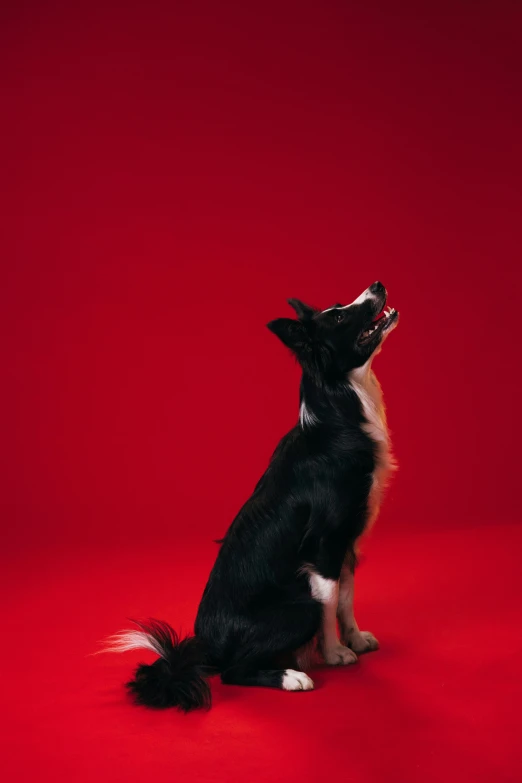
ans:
x=380 y=324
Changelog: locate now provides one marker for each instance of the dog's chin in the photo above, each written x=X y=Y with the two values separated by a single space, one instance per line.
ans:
x=372 y=337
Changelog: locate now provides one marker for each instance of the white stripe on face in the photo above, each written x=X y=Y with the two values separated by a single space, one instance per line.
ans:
x=362 y=297
x=367 y=294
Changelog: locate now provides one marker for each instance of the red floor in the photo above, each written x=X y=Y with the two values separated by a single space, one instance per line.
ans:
x=439 y=701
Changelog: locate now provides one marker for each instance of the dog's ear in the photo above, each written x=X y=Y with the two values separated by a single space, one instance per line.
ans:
x=304 y=311
x=292 y=333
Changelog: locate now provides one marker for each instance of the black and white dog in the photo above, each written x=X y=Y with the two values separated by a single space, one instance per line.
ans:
x=284 y=574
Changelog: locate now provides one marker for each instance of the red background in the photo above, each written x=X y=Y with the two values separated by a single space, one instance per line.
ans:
x=174 y=172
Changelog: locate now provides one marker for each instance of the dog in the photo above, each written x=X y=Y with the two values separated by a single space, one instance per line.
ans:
x=284 y=574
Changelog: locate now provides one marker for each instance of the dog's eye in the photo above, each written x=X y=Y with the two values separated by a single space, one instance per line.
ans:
x=339 y=317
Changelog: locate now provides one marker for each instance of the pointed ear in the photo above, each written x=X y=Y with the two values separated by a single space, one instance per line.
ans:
x=292 y=333
x=304 y=311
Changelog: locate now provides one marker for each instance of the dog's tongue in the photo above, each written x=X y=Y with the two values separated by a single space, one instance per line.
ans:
x=379 y=316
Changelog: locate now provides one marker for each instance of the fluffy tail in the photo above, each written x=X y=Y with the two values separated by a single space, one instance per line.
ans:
x=177 y=678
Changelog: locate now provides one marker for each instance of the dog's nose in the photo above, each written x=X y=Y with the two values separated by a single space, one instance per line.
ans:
x=377 y=288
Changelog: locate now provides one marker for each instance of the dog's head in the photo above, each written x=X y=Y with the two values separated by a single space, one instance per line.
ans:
x=329 y=343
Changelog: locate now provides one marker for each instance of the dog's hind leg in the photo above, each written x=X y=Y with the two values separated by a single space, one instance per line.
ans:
x=285 y=679
x=263 y=652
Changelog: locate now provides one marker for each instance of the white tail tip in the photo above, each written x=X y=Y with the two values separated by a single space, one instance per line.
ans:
x=123 y=641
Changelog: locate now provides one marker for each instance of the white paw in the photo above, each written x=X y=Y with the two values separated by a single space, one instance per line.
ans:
x=363 y=641
x=296 y=681
x=339 y=655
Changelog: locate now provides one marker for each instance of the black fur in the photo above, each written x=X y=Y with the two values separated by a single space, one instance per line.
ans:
x=177 y=679
x=307 y=511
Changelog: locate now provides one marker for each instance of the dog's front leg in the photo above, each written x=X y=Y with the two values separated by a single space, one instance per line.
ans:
x=327 y=592
x=358 y=641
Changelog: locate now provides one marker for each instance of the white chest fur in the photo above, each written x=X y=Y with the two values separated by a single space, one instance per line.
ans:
x=368 y=389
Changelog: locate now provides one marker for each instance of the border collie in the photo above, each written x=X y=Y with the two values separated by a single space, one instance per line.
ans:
x=284 y=574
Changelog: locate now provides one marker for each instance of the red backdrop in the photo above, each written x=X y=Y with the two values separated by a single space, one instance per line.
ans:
x=174 y=172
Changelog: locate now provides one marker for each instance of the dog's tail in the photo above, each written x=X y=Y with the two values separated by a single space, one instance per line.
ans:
x=176 y=678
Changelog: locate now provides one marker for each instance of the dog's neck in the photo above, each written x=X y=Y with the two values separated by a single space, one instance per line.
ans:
x=368 y=389
x=325 y=402
x=337 y=402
